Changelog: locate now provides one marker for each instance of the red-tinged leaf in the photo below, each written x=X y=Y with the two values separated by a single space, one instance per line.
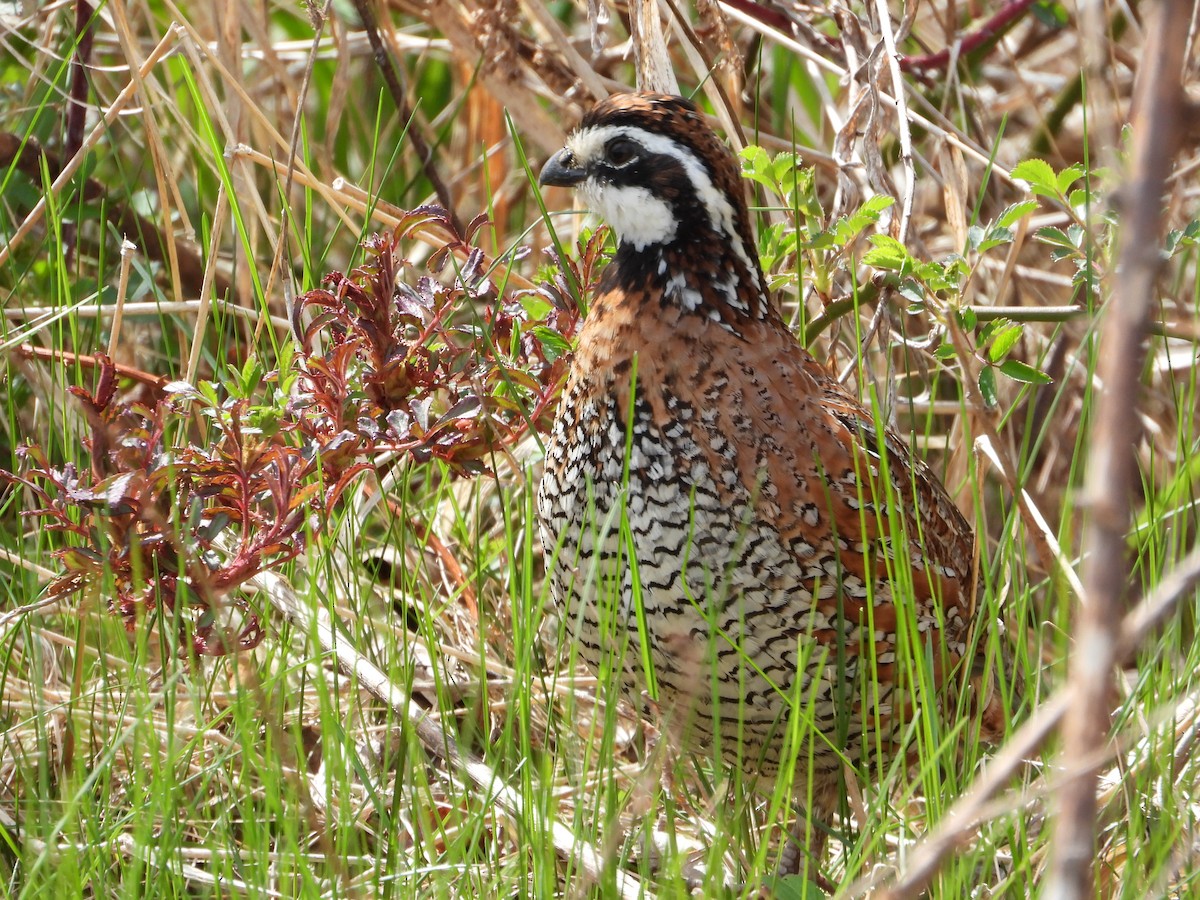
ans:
x=275 y=548
x=467 y=407
x=106 y=387
x=122 y=490
x=420 y=412
x=437 y=260
x=425 y=217
x=334 y=492
x=399 y=421
x=470 y=267
x=319 y=323
x=413 y=303
x=474 y=225
x=303 y=495
x=233 y=513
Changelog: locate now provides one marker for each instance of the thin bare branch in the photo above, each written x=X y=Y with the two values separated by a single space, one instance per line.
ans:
x=1111 y=474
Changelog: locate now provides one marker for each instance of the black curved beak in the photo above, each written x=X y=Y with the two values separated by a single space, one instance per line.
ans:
x=560 y=171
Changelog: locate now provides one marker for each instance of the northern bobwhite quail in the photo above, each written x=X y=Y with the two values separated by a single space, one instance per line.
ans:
x=717 y=524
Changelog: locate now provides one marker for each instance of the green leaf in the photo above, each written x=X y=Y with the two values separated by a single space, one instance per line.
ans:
x=997 y=236
x=1023 y=372
x=554 y=344
x=1055 y=237
x=1052 y=15
x=1010 y=215
x=912 y=291
x=849 y=227
x=756 y=166
x=536 y=306
x=782 y=168
x=1079 y=199
x=987 y=386
x=1039 y=175
x=795 y=887
x=887 y=253
x=1068 y=177
x=822 y=240
x=1004 y=341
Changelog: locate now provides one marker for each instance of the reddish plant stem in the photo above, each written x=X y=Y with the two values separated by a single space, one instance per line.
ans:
x=988 y=31
x=88 y=361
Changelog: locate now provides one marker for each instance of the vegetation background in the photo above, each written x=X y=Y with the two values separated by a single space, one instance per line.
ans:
x=272 y=615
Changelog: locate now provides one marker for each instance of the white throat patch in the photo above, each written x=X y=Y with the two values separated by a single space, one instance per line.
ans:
x=635 y=214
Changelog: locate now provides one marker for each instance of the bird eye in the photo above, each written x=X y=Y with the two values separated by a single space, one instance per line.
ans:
x=621 y=152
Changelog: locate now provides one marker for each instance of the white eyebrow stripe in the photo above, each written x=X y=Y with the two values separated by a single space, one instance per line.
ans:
x=588 y=145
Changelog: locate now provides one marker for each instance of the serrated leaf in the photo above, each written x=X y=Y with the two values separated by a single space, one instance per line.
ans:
x=887 y=253
x=1079 y=199
x=782 y=168
x=1004 y=341
x=756 y=165
x=755 y=158
x=822 y=240
x=997 y=237
x=1023 y=372
x=873 y=206
x=1055 y=237
x=1010 y=215
x=1068 y=177
x=1038 y=174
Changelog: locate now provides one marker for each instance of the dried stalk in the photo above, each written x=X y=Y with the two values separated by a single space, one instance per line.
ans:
x=1112 y=472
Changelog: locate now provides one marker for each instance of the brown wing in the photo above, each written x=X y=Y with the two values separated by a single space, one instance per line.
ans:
x=815 y=457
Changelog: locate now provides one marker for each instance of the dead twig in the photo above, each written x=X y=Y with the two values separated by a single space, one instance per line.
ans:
x=1112 y=472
